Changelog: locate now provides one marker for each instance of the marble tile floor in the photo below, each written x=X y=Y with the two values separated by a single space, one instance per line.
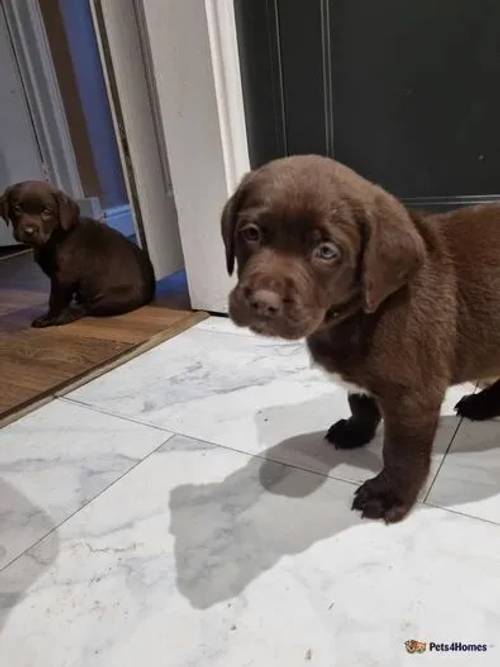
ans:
x=184 y=510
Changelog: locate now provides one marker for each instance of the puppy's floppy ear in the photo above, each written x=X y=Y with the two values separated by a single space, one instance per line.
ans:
x=228 y=222
x=394 y=250
x=228 y=225
x=4 y=205
x=68 y=210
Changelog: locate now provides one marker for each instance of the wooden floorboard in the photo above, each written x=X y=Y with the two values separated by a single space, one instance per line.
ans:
x=37 y=364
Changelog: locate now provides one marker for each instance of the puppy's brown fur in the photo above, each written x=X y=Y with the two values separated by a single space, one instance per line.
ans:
x=105 y=273
x=399 y=304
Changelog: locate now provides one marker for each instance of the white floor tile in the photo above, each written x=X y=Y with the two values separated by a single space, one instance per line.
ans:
x=219 y=324
x=469 y=480
x=204 y=556
x=249 y=393
x=54 y=461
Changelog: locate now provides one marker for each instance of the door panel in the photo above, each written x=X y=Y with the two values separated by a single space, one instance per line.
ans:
x=20 y=157
x=403 y=92
x=416 y=104
x=129 y=74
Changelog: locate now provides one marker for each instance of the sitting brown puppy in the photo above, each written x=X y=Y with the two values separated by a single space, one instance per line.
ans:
x=105 y=273
x=398 y=304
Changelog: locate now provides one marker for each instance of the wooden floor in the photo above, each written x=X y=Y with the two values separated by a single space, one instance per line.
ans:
x=36 y=364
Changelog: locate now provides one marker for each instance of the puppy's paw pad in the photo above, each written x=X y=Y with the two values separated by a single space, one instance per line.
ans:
x=376 y=500
x=347 y=434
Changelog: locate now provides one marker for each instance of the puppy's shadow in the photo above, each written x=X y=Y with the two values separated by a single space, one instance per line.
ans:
x=228 y=533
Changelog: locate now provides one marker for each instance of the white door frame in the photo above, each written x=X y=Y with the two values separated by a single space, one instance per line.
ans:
x=124 y=55
x=195 y=64
x=29 y=39
x=228 y=91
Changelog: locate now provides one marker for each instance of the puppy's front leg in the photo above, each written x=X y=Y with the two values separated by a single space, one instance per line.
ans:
x=410 y=427
x=60 y=310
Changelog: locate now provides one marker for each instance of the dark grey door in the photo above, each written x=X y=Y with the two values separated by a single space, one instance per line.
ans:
x=405 y=92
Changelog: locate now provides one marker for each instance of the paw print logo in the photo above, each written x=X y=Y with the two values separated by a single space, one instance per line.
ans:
x=414 y=646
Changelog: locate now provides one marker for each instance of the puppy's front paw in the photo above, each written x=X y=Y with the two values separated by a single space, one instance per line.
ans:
x=375 y=499
x=349 y=434
x=42 y=321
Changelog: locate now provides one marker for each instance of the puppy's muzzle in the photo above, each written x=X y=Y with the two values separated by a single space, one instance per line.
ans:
x=265 y=303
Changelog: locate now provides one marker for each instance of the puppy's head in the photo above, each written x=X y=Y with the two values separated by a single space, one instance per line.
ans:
x=36 y=209
x=309 y=235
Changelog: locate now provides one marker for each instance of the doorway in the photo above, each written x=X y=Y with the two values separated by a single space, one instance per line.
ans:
x=67 y=119
x=79 y=118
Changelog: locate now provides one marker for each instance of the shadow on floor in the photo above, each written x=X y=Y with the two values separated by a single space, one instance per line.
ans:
x=228 y=533
x=18 y=577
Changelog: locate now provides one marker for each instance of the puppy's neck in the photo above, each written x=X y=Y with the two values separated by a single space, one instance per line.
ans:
x=341 y=312
x=45 y=255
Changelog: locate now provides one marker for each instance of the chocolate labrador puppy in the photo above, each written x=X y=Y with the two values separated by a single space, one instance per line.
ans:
x=399 y=305
x=86 y=261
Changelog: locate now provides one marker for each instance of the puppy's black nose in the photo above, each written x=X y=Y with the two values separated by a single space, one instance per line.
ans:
x=265 y=303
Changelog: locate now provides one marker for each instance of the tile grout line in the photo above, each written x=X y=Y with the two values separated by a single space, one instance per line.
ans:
x=214 y=444
x=467 y=516
x=89 y=502
x=424 y=502
x=441 y=463
x=295 y=466
x=116 y=415
x=421 y=503
x=171 y=435
x=446 y=454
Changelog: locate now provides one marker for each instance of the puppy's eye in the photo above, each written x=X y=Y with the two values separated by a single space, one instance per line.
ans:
x=251 y=233
x=17 y=209
x=326 y=252
x=46 y=212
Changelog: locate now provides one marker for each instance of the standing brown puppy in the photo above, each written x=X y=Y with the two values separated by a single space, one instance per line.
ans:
x=399 y=305
x=104 y=272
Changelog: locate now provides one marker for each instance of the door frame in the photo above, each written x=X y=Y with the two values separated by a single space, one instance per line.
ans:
x=227 y=85
x=29 y=39
x=131 y=95
x=196 y=71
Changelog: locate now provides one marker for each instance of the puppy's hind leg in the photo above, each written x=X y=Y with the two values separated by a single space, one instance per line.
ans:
x=116 y=301
x=483 y=405
x=359 y=429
